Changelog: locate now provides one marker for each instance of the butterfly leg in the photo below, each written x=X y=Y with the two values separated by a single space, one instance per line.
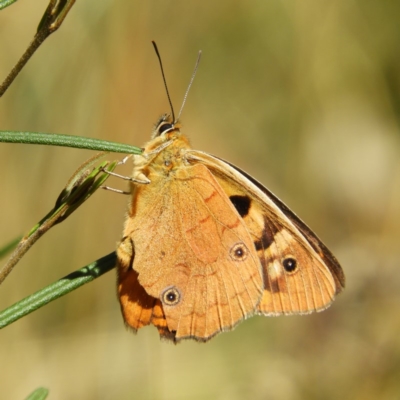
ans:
x=115 y=190
x=141 y=179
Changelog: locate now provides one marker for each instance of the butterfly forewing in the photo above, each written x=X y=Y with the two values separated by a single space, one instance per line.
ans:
x=193 y=252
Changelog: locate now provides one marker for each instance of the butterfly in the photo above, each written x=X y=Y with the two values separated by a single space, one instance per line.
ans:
x=205 y=246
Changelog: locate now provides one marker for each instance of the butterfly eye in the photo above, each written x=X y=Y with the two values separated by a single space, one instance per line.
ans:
x=164 y=124
x=171 y=296
x=239 y=252
x=290 y=264
x=164 y=128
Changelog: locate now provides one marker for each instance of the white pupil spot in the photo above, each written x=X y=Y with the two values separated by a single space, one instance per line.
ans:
x=290 y=264
x=171 y=296
x=239 y=252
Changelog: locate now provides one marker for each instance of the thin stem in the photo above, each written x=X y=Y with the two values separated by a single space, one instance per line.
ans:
x=52 y=19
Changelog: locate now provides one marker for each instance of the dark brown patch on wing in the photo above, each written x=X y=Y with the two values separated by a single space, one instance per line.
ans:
x=267 y=235
x=272 y=286
x=138 y=308
x=241 y=203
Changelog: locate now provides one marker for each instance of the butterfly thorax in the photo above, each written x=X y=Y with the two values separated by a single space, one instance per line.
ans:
x=162 y=156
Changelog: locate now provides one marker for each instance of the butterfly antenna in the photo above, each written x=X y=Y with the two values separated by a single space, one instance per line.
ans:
x=190 y=83
x=165 y=81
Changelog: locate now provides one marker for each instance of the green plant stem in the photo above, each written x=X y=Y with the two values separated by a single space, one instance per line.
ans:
x=9 y=246
x=53 y=17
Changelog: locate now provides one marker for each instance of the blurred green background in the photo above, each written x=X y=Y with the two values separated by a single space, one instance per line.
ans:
x=305 y=96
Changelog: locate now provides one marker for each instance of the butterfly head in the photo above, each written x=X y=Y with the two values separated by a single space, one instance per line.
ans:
x=166 y=127
x=167 y=143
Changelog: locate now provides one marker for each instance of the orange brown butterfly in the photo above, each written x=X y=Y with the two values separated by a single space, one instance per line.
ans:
x=205 y=245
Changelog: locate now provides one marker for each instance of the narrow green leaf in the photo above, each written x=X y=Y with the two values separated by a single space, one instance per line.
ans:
x=38 y=394
x=57 y=289
x=77 y=142
x=6 y=3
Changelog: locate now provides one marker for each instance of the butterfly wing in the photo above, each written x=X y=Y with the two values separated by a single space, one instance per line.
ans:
x=300 y=274
x=193 y=253
x=138 y=308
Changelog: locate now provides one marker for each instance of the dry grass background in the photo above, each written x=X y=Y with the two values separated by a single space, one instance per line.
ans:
x=305 y=96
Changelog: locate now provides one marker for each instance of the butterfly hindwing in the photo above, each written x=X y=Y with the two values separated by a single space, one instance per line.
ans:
x=138 y=308
x=300 y=274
